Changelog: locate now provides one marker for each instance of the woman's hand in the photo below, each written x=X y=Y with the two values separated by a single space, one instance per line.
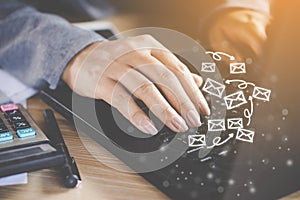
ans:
x=115 y=70
x=239 y=32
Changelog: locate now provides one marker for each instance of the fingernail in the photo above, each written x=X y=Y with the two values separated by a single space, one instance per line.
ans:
x=204 y=108
x=148 y=127
x=194 y=118
x=179 y=124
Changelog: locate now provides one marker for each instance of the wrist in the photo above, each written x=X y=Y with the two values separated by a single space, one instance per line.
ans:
x=72 y=69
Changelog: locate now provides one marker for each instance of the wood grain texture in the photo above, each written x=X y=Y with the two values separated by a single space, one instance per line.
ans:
x=99 y=180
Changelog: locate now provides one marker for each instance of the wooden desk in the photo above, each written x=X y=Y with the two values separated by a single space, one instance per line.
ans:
x=99 y=180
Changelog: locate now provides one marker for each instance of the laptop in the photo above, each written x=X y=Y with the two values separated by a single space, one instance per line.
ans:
x=266 y=169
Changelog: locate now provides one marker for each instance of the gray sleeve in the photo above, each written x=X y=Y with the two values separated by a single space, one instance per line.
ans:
x=36 y=47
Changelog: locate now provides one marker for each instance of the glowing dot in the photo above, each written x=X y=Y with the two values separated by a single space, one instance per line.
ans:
x=250 y=170
x=265 y=161
x=289 y=162
x=285 y=139
x=245 y=185
x=235 y=152
x=250 y=182
x=185 y=178
x=252 y=190
x=176 y=165
x=191 y=173
x=288 y=149
x=285 y=112
x=177 y=178
x=238 y=194
x=166 y=157
x=279 y=147
x=249 y=61
x=161 y=160
x=278 y=128
x=283 y=118
x=202 y=184
x=212 y=165
x=273 y=168
x=166 y=184
x=209 y=175
x=220 y=189
x=182 y=172
x=263 y=135
x=231 y=182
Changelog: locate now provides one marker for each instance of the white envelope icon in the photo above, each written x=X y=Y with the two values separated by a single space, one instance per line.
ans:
x=216 y=125
x=237 y=68
x=245 y=135
x=213 y=87
x=235 y=100
x=196 y=140
x=208 y=67
x=261 y=93
x=235 y=123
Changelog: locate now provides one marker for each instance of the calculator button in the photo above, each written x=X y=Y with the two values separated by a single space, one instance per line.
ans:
x=12 y=113
x=27 y=132
x=20 y=125
x=16 y=118
x=8 y=107
x=6 y=136
x=3 y=128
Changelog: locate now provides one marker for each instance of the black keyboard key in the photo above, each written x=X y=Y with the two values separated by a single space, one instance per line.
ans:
x=16 y=118
x=12 y=113
x=3 y=128
x=20 y=125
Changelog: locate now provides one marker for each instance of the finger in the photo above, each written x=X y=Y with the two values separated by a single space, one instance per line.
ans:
x=119 y=98
x=171 y=87
x=185 y=78
x=141 y=87
x=198 y=79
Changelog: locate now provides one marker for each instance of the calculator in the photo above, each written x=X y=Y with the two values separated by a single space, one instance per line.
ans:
x=23 y=145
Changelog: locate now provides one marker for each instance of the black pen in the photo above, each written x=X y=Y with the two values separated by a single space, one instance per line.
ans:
x=70 y=171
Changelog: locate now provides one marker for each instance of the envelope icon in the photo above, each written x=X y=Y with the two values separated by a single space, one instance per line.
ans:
x=235 y=123
x=216 y=125
x=208 y=67
x=235 y=100
x=261 y=93
x=245 y=135
x=213 y=87
x=196 y=140
x=237 y=68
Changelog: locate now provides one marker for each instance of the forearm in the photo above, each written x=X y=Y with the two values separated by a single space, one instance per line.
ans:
x=36 y=47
